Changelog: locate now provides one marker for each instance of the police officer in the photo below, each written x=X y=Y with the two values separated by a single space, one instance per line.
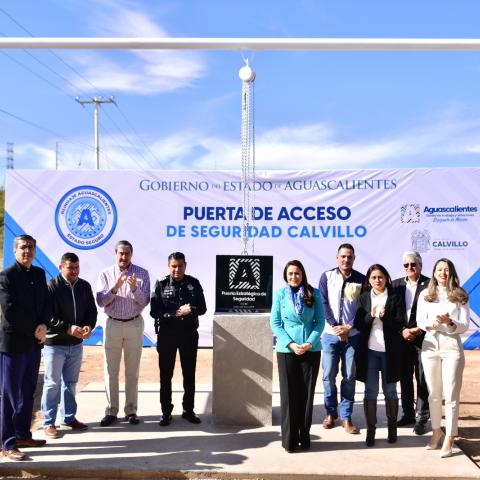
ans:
x=176 y=304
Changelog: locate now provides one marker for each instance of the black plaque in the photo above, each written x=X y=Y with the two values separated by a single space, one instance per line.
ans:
x=244 y=283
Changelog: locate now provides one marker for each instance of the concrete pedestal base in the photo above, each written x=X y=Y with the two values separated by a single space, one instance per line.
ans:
x=242 y=370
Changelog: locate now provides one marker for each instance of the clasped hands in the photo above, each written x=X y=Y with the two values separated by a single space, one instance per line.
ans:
x=299 y=349
x=341 y=331
x=377 y=311
x=79 y=332
x=445 y=319
x=410 y=334
x=184 y=310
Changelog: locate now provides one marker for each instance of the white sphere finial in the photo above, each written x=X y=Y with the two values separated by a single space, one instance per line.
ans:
x=246 y=74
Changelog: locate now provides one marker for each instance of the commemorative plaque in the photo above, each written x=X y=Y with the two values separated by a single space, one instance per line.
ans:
x=243 y=283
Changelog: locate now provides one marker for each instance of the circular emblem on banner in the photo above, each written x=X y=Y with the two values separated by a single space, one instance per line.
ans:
x=86 y=217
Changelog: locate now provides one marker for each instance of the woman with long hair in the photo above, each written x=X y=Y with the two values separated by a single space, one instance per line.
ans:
x=297 y=321
x=380 y=319
x=443 y=312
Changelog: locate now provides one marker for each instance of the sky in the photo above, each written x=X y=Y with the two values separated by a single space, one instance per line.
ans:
x=181 y=110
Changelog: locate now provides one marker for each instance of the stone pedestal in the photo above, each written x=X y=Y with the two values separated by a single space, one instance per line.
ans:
x=242 y=370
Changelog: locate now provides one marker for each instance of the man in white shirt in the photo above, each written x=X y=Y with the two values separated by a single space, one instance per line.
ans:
x=410 y=287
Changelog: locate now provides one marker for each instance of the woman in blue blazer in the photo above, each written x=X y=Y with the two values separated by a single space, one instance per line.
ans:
x=297 y=320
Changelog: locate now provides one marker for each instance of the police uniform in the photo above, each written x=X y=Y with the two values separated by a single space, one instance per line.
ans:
x=177 y=333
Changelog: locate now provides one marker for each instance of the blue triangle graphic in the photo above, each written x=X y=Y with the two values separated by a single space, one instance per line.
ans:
x=12 y=230
x=472 y=342
x=96 y=338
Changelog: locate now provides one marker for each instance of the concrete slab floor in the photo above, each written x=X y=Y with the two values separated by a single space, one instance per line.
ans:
x=183 y=450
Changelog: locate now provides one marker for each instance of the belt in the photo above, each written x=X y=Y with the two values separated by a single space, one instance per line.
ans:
x=125 y=319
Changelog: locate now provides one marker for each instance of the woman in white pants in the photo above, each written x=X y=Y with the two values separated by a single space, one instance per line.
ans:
x=444 y=314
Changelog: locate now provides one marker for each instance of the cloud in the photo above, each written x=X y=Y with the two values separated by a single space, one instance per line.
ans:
x=30 y=155
x=288 y=147
x=141 y=72
x=317 y=146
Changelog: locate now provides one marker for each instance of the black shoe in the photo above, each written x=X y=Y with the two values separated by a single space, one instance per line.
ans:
x=191 y=417
x=108 y=420
x=370 y=440
x=165 y=420
x=420 y=428
x=132 y=419
x=406 y=421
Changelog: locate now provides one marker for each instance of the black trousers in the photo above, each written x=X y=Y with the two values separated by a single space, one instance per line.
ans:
x=298 y=377
x=412 y=366
x=170 y=340
x=18 y=379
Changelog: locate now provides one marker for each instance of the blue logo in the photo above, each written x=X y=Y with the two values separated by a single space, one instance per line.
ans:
x=86 y=217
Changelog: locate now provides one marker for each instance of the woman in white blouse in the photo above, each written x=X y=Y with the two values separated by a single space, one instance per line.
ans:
x=443 y=312
x=379 y=319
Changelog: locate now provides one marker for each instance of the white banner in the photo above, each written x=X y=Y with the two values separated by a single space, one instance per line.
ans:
x=304 y=215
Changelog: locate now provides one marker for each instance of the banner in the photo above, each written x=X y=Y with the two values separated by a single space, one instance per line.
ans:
x=297 y=214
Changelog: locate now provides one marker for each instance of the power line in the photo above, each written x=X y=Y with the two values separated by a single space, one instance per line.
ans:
x=43 y=64
x=127 y=139
x=76 y=72
x=30 y=70
x=121 y=147
x=44 y=129
x=50 y=50
x=137 y=134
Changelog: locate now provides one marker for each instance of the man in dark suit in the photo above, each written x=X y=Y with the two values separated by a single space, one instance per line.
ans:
x=26 y=310
x=410 y=287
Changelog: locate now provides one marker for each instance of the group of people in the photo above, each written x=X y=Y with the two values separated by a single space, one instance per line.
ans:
x=367 y=326
x=57 y=316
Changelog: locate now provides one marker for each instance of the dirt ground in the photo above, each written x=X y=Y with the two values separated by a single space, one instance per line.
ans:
x=469 y=421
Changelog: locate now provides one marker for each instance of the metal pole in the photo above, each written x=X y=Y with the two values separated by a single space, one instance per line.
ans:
x=328 y=44
x=97 y=133
x=96 y=122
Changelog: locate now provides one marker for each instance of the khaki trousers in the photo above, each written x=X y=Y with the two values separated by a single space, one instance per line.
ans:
x=443 y=362
x=126 y=336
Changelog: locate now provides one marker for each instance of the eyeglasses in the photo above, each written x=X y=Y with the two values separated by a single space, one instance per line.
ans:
x=406 y=265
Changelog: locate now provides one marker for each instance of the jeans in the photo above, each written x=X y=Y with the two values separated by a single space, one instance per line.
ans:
x=335 y=351
x=377 y=362
x=62 y=368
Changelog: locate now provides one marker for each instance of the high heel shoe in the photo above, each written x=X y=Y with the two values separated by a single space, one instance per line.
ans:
x=447 y=451
x=436 y=445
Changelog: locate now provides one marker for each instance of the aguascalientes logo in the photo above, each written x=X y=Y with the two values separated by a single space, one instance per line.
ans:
x=410 y=213
x=86 y=217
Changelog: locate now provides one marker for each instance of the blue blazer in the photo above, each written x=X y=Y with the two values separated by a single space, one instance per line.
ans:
x=288 y=327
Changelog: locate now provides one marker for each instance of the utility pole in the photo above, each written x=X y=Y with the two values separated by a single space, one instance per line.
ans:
x=97 y=101
x=9 y=156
